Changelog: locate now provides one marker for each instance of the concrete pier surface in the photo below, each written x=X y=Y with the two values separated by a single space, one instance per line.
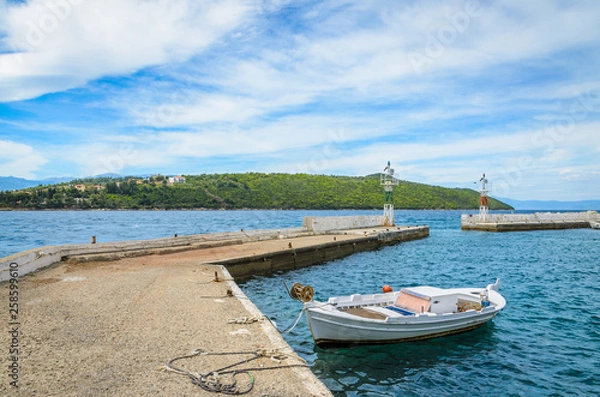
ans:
x=106 y=323
x=536 y=221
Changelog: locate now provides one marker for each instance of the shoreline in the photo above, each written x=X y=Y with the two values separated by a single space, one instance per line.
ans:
x=243 y=209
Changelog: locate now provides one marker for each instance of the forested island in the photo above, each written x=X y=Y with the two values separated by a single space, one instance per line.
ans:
x=239 y=191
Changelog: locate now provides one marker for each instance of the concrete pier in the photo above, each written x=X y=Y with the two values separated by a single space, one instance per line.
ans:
x=325 y=245
x=536 y=221
x=311 y=250
x=104 y=318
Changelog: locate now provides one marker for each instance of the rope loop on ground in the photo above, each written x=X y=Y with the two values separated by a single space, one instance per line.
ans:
x=215 y=381
x=246 y=320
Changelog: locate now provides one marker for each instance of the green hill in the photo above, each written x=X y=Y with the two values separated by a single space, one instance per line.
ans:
x=239 y=191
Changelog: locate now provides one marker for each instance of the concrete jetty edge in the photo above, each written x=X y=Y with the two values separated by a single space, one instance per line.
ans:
x=308 y=379
x=291 y=258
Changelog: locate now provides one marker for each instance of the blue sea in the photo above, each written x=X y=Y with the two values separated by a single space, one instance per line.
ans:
x=545 y=343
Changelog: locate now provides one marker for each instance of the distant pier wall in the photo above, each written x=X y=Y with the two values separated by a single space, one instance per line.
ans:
x=322 y=224
x=536 y=221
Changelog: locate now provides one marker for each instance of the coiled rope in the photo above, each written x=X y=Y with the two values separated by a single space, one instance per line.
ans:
x=212 y=381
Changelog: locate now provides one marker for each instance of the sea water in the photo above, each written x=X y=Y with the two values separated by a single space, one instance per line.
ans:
x=546 y=342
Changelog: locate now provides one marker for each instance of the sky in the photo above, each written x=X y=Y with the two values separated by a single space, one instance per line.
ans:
x=445 y=91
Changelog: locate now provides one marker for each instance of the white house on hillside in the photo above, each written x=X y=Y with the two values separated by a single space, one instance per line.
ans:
x=176 y=179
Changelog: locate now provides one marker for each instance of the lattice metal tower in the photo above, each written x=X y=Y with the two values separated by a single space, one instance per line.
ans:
x=388 y=181
x=483 y=201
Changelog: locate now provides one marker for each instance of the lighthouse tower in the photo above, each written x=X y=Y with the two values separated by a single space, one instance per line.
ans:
x=483 y=201
x=388 y=182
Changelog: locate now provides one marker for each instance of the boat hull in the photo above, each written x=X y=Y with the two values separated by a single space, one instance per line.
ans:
x=375 y=319
x=329 y=330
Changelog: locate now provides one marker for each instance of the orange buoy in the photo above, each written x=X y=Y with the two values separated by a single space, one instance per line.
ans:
x=387 y=288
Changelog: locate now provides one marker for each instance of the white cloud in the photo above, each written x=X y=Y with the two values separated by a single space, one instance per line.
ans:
x=338 y=59
x=20 y=160
x=504 y=32
x=322 y=88
x=58 y=45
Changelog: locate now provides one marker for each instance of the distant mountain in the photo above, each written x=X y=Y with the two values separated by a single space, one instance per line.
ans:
x=14 y=183
x=107 y=175
x=552 y=205
x=51 y=181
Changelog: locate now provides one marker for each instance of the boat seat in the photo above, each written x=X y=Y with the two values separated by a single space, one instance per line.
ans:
x=387 y=311
x=412 y=301
x=366 y=312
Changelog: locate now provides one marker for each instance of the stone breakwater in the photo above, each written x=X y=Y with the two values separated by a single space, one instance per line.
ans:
x=109 y=316
x=366 y=234
x=537 y=221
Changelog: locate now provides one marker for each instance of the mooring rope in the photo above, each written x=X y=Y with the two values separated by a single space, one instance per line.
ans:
x=212 y=381
x=298 y=317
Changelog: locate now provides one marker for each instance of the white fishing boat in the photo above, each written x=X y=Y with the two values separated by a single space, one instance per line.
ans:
x=409 y=314
x=595 y=225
